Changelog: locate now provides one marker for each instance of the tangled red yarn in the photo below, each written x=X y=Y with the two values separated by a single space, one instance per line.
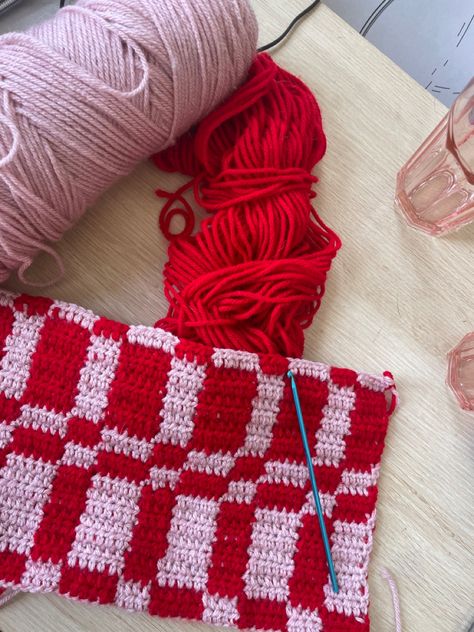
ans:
x=253 y=276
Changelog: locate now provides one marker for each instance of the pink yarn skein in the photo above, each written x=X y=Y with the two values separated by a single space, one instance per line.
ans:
x=87 y=95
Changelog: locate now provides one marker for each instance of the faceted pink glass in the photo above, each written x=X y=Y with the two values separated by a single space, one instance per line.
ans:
x=435 y=189
x=461 y=372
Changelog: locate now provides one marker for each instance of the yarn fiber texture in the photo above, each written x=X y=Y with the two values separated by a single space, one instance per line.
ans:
x=254 y=274
x=87 y=95
x=164 y=476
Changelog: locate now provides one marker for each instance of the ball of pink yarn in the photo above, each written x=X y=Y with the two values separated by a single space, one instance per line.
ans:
x=87 y=95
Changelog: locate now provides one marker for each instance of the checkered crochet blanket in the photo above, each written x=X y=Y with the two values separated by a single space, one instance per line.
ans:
x=165 y=476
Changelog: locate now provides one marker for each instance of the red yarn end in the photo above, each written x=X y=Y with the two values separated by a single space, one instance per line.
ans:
x=253 y=276
x=169 y=211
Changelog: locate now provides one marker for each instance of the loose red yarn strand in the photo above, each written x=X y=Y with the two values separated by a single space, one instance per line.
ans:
x=253 y=276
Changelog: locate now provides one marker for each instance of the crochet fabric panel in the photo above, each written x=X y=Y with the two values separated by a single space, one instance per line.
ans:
x=168 y=477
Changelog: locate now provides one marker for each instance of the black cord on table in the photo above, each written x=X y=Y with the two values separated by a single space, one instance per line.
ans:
x=276 y=41
x=295 y=20
x=374 y=16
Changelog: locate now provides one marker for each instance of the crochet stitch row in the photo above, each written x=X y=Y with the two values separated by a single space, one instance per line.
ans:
x=165 y=476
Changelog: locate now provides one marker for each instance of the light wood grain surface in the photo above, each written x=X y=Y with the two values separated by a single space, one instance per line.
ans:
x=396 y=300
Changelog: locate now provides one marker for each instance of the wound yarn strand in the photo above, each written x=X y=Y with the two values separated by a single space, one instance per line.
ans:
x=90 y=93
x=290 y=26
x=254 y=274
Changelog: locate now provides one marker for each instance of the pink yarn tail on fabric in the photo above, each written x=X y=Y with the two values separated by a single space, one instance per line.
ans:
x=385 y=573
x=7 y=595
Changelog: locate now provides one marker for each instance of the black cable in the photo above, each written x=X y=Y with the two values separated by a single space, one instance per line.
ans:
x=276 y=41
x=374 y=16
x=363 y=27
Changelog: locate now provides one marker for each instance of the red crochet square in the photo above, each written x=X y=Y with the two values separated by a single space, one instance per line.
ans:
x=164 y=476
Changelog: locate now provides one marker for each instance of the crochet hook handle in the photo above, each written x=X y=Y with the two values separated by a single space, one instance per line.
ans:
x=314 y=486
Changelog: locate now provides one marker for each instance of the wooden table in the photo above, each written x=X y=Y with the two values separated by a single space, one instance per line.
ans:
x=396 y=299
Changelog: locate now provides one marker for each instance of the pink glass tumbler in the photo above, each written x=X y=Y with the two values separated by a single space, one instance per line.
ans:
x=461 y=372
x=435 y=189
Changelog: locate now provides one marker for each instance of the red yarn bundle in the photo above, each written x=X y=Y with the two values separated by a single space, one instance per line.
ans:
x=253 y=276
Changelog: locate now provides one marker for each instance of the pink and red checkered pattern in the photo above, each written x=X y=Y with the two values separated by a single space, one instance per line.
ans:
x=161 y=475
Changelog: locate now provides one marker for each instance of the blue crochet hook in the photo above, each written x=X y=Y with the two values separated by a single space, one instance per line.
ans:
x=314 y=486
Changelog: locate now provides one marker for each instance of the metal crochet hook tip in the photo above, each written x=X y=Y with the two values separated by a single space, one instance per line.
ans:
x=314 y=486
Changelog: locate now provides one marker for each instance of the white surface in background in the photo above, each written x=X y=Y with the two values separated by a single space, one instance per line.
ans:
x=432 y=40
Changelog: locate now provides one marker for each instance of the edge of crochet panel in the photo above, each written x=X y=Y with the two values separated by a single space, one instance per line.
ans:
x=78 y=505
x=155 y=337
